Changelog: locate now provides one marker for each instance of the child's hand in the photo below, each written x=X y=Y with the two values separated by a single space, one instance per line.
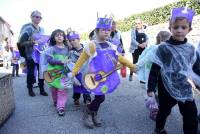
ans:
x=141 y=45
x=38 y=41
x=77 y=82
x=150 y=94
x=134 y=69
x=65 y=62
x=98 y=77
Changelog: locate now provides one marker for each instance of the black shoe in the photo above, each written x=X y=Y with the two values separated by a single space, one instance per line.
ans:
x=61 y=112
x=43 y=93
x=142 y=82
x=130 y=77
x=158 y=131
x=31 y=93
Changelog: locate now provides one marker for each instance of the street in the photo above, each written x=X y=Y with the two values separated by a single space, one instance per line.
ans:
x=123 y=112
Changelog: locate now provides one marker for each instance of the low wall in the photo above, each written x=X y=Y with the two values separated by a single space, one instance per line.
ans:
x=7 y=101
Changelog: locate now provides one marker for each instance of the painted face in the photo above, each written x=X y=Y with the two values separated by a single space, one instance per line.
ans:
x=75 y=43
x=179 y=29
x=59 y=38
x=36 y=18
x=104 y=34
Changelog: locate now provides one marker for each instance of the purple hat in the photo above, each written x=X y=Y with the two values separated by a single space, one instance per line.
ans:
x=182 y=12
x=73 y=35
x=104 y=23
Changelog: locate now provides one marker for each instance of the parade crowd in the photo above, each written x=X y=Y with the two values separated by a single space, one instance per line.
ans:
x=170 y=68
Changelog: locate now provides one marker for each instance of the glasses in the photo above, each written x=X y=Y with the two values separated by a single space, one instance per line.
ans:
x=38 y=17
x=182 y=27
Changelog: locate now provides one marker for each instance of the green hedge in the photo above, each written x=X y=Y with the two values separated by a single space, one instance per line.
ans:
x=156 y=16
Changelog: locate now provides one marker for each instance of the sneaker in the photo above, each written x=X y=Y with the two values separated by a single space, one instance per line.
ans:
x=61 y=112
x=130 y=78
x=76 y=102
x=158 y=131
x=43 y=93
x=142 y=82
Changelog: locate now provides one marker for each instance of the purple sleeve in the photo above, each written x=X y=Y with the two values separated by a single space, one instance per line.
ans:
x=53 y=61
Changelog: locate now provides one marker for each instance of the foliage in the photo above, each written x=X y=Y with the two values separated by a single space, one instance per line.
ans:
x=156 y=16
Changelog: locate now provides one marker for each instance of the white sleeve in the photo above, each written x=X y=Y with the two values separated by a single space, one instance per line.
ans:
x=87 y=49
x=114 y=47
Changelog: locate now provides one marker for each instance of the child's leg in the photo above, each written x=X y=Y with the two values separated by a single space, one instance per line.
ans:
x=17 y=69
x=86 y=98
x=90 y=116
x=95 y=104
x=61 y=99
x=189 y=113
x=76 y=96
x=13 y=70
x=54 y=95
x=166 y=102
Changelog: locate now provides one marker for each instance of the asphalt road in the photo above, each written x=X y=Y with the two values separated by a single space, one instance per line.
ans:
x=123 y=112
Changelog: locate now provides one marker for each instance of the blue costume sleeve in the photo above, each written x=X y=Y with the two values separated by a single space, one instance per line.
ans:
x=50 y=59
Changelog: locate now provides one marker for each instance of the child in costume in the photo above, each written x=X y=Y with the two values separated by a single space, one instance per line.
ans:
x=99 y=61
x=57 y=56
x=146 y=58
x=77 y=49
x=171 y=70
x=116 y=39
x=143 y=68
x=15 y=62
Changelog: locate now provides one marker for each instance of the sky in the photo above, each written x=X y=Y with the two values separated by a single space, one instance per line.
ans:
x=80 y=15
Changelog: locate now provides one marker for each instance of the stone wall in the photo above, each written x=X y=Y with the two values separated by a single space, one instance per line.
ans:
x=7 y=104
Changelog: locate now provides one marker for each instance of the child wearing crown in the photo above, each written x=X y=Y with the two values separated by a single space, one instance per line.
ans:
x=176 y=62
x=75 y=52
x=99 y=61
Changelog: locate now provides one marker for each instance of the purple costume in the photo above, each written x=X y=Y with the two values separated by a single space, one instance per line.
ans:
x=104 y=61
x=38 y=49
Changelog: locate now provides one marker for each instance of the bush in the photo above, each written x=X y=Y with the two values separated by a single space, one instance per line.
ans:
x=156 y=16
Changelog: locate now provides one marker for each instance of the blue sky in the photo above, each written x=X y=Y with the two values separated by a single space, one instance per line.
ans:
x=78 y=14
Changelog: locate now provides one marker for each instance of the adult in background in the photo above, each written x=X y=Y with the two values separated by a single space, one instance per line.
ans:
x=25 y=46
x=116 y=38
x=139 y=41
